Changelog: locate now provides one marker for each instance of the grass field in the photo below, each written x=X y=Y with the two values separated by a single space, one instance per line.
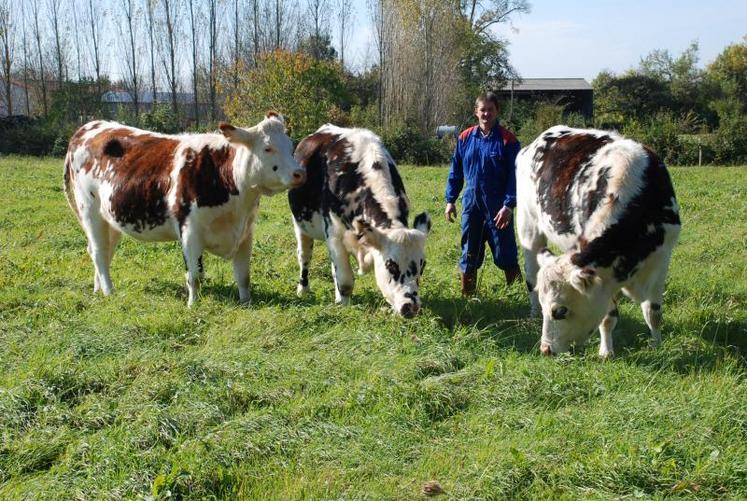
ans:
x=134 y=395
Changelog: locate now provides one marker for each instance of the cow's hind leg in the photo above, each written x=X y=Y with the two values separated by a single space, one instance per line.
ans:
x=99 y=248
x=341 y=270
x=305 y=250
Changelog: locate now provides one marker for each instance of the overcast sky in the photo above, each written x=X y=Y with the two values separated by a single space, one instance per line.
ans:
x=580 y=38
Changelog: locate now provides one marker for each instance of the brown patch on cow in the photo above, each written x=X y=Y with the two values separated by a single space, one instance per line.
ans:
x=272 y=113
x=206 y=178
x=225 y=223
x=140 y=177
x=562 y=160
x=567 y=156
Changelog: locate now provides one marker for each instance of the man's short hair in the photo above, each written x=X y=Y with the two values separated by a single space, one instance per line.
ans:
x=487 y=96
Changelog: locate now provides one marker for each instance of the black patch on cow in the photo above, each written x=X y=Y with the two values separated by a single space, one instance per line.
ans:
x=114 y=148
x=656 y=306
x=562 y=160
x=614 y=313
x=626 y=243
x=413 y=269
x=393 y=269
x=413 y=296
x=530 y=286
x=304 y=277
x=377 y=166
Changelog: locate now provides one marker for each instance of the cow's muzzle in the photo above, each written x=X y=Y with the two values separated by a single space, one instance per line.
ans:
x=409 y=310
x=298 y=177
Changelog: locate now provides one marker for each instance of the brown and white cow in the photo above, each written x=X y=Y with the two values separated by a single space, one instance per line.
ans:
x=608 y=203
x=355 y=201
x=200 y=189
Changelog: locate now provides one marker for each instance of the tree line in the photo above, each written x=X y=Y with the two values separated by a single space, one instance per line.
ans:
x=188 y=63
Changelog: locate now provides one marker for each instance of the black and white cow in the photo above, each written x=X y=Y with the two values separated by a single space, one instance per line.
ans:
x=200 y=189
x=608 y=203
x=355 y=201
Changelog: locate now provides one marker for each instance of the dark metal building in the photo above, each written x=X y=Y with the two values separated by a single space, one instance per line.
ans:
x=576 y=94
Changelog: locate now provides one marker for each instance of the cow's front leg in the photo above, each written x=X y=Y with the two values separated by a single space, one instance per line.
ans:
x=242 y=270
x=605 y=330
x=192 y=251
x=341 y=270
x=531 y=268
x=305 y=250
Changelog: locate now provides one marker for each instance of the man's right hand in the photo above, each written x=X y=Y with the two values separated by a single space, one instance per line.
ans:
x=450 y=212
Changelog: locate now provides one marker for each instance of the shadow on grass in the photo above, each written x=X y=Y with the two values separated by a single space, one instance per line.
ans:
x=708 y=347
x=502 y=319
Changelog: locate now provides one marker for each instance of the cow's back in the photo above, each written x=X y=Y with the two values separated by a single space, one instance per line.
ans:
x=607 y=197
x=349 y=174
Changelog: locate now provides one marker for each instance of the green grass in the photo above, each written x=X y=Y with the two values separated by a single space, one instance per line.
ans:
x=135 y=395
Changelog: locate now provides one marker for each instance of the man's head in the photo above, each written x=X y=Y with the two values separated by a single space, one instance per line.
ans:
x=486 y=110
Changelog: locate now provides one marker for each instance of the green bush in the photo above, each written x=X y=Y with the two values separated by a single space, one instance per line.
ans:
x=730 y=141
x=408 y=145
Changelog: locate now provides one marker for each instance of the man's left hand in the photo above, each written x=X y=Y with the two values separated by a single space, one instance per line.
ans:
x=503 y=218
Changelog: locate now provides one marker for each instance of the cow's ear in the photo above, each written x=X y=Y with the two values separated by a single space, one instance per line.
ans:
x=237 y=134
x=544 y=257
x=276 y=115
x=584 y=279
x=367 y=234
x=422 y=222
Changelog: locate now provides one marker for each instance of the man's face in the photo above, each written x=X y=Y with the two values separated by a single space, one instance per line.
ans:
x=486 y=113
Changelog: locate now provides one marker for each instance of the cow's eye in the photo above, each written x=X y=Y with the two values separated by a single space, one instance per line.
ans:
x=268 y=149
x=559 y=312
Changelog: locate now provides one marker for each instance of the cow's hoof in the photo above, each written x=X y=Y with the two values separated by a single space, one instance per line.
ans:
x=343 y=300
x=246 y=303
x=361 y=272
x=301 y=291
x=606 y=355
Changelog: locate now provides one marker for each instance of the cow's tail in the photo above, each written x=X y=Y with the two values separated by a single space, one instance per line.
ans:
x=68 y=178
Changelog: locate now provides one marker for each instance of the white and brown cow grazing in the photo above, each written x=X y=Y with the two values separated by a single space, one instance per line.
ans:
x=200 y=189
x=355 y=201
x=608 y=203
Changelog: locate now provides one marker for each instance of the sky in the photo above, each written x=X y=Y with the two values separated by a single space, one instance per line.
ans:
x=580 y=38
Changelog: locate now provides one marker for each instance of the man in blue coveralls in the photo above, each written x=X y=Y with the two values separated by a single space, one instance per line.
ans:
x=485 y=157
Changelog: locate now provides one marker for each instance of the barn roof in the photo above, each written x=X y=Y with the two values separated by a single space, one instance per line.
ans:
x=540 y=84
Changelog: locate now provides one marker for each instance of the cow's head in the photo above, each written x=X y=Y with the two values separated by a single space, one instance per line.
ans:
x=574 y=301
x=271 y=165
x=398 y=259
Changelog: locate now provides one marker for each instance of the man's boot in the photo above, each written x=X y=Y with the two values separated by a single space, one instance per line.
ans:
x=512 y=274
x=469 y=283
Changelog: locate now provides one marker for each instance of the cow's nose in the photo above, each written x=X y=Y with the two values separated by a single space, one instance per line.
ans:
x=298 y=177
x=408 y=310
x=545 y=349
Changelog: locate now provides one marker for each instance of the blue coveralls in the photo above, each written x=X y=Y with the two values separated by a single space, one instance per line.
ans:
x=488 y=164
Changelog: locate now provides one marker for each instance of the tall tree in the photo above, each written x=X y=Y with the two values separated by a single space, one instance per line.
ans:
x=76 y=34
x=25 y=61
x=344 y=18
x=194 y=29
x=53 y=7
x=7 y=44
x=36 y=14
x=171 y=13
x=316 y=10
x=129 y=11
x=150 y=6
x=212 y=74
x=94 y=24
